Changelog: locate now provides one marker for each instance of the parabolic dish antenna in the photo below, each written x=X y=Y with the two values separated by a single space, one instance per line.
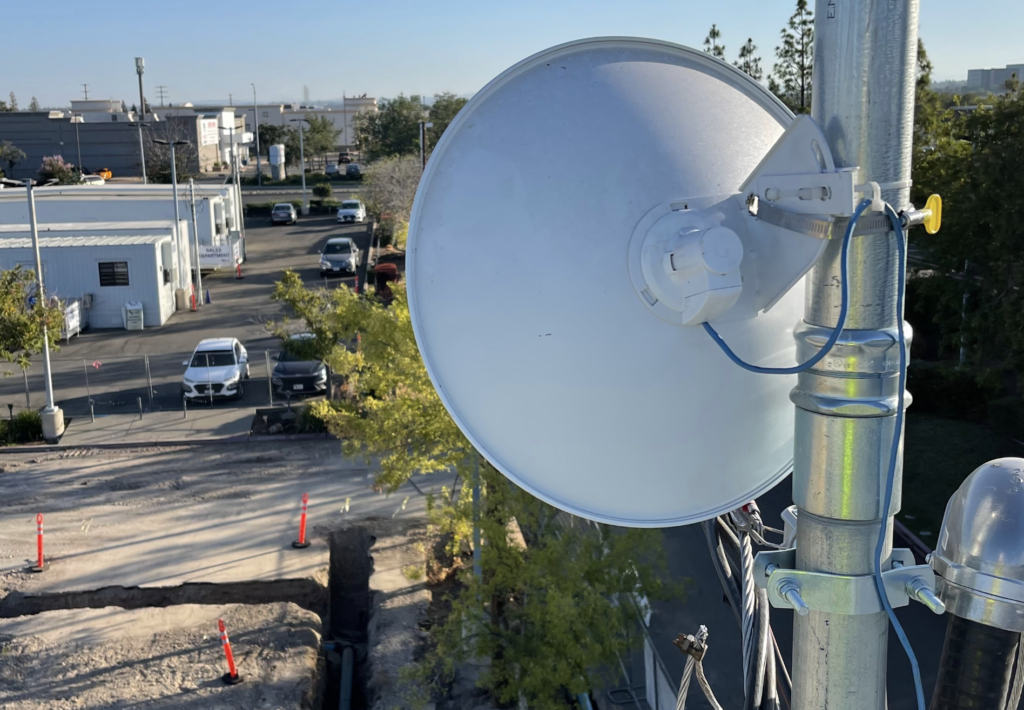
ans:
x=526 y=284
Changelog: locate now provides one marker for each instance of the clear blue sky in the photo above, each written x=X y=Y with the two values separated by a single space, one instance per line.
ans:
x=206 y=49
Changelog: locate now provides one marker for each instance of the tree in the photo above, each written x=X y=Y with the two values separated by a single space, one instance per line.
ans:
x=11 y=154
x=393 y=130
x=442 y=112
x=321 y=136
x=554 y=614
x=14 y=102
x=158 y=155
x=4 y=108
x=711 y=45
x=21 y=324
x=54 y=168
x=792 y=73
x=749 y=63
x=33 y=105
x=270 y=135
x=322 y=190
x=389 y=186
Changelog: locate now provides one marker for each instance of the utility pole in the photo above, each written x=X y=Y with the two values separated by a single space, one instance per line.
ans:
x=140 y=67
x=195 y=239
x=85 y=91
x=423 y=144
x=52 y=416
x=863 y=100
x=256 y=121
x=177 y=215
x=161 y=92
x=302 y=164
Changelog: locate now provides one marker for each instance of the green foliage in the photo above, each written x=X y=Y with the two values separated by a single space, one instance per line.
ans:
x=322 y=190
x=791 y=81
x=321 y=136
x=270 y=135
x=26 y=427
x=945 y=390
x=14 y=102
x=749 y=63
x=21 y=326
x=711 y=45
x=442 y=112
x=33 y=105
x=393 y=130
x=554 y=603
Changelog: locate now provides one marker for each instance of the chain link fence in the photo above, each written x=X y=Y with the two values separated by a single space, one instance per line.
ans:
x=127 y=384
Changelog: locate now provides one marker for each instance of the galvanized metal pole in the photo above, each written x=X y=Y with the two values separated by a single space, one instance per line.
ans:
x=302 y=167
x=865 y=56
x=270 y=378
x=195 y=239
x=28 y=392
x=139 y=68
x=40 y=295
x=256 y=127
x=177 y=214
x=149 y=380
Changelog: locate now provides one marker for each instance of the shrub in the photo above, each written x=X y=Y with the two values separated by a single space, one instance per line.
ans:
x=25 y=428
x=948 y=391
x=322 y=190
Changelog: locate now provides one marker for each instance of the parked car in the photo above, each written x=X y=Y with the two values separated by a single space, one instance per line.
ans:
x=345 y=157
x=340 y=255
x=351 y=211
x=284 y=213
x=295 y=373
x=217 y=367
x=331 y=169
x=93 y=180
x=352 y=170
x=105 y=173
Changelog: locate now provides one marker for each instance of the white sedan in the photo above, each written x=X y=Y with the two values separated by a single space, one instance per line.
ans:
x=216 y=369
x=351 y=211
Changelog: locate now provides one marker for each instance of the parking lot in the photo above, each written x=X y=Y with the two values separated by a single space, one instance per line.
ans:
x=117 y=369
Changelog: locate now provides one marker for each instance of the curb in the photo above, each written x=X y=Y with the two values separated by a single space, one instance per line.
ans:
x=918 y=546
x=240 y=439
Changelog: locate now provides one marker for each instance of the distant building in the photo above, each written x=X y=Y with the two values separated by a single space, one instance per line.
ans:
x=993 y=80
x=342 y=116
x=219 y=125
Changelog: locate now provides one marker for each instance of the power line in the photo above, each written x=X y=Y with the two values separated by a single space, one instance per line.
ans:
x=161 y=92
x=85 y=91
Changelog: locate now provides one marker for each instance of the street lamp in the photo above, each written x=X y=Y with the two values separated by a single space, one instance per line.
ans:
x=302 y=164
x=256 y=124
x=174 y=192
x=77 y=118
x=52 y=416
x=140 y=67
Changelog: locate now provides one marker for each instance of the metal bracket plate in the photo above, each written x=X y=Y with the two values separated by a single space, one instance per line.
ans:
x=817 y=226
x=835 y=593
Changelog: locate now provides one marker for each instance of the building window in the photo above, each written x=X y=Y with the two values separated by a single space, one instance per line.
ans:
x=113 y=273
x=266 y=114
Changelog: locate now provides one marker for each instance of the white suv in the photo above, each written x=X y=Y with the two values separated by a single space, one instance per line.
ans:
x=216 y=368
x=351 y=211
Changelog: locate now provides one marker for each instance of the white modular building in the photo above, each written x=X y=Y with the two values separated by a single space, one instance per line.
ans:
x=104 y=273
x=218 y=218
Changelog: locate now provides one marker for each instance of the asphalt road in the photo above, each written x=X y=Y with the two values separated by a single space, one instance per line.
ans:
x=110 y=366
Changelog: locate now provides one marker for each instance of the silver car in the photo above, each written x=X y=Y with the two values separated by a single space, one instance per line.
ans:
x=340 y=256
x=284 y=213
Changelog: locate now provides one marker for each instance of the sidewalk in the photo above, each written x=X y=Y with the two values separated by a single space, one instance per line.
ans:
x=200 y=424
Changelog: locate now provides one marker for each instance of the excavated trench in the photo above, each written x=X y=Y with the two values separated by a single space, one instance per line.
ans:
x=344 y=606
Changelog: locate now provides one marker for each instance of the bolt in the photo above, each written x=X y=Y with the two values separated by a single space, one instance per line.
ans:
x=920 y=590
x=789 y=591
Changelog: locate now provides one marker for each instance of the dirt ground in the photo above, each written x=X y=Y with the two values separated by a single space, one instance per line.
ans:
x=159 y=658
x=148 y=547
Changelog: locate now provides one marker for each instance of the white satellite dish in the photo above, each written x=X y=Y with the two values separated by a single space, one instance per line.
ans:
x=532 y=255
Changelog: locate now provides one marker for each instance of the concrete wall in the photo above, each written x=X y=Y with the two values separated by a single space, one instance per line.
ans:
x=113 y=145
x=71 y=271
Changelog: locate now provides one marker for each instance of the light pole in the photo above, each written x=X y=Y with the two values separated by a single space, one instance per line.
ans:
x=239 y=219
x=52 y=416
x=302 y=163
x=174 y=192
x=195 y=240
x=256 y=123
x=77 y=118
x=424 y=125
x=140 y=67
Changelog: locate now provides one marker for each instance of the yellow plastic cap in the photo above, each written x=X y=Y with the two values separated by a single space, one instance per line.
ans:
x=933 y=222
